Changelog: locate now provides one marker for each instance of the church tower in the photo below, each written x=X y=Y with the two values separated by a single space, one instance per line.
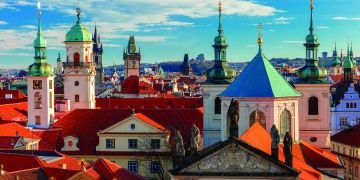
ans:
x=314 y=104
x=59 y=65
x=218 y=78
x=132 y=58
x=40 y=84
x=97 y=57
x=348 y=66
x=79 y=68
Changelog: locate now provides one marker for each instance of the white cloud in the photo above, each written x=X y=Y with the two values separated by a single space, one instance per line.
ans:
x=346 y=18
x=16 y=54
x=283 y=20
x=3 y=23
x=271 y=30
x=293 y=42
x=28 y=27
x=323 y=27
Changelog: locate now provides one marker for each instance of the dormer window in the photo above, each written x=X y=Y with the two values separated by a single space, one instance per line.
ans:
x=70 y=144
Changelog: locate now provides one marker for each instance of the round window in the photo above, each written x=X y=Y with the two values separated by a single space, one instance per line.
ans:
x=313 y=139
x=76 y=83
x=132 y=126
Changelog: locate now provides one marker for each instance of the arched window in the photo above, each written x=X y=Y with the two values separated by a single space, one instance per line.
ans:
x=347 y=105
x=217 y=105
x=257 y=116
x=355 y=105
x=285 y=123
x=351 y=105
x=313 y=106
x=37 y=100
x=87 y=58
x=76 y=58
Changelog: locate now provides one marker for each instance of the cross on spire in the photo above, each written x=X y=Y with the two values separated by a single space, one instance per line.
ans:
x=38 y=7
x=78 y=11
x=312 y=4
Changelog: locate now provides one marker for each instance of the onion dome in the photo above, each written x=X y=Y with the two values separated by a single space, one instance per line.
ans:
x=78 y=32
x=41 y=69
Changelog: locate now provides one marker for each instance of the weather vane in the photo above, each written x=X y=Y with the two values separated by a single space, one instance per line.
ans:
x=312 y=4
x=260 y=28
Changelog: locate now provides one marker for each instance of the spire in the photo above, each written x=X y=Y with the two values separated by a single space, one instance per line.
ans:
x=220 y=30
x=311 y=16
x=39 y=19
x=351 y=51
x=260 y=31
x=59 y=57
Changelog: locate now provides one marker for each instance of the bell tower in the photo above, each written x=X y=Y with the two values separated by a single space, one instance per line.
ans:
x=132 y=58
x=79 y=68
x=40 y=84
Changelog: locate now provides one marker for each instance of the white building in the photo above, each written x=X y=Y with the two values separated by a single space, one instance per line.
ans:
x=347 y=112
x=79 y=68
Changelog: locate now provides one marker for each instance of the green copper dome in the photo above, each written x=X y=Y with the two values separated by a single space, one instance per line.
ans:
x=78 y=33
x=39 y=42
x=220 y=75
x=348 y=63
x=41 y=69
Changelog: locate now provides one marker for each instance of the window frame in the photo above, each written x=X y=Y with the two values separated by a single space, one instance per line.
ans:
x=133 y=164
x=131 y=144
x=154 y=164
x=313 y=106
x=109 y=145
x=155 y=143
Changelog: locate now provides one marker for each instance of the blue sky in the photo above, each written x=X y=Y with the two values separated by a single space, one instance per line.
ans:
x=166 y=29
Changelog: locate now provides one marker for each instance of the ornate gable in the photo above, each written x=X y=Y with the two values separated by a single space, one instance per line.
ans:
x=233 y=158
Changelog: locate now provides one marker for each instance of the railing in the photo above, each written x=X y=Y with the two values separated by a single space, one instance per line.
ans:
x=79 y=64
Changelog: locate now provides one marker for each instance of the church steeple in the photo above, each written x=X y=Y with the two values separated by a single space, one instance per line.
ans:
x=311 y=73
x=220 y=73
x=336 y=59
x=40 y=66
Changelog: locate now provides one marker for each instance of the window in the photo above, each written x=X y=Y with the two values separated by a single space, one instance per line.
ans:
x=356 y=169
x=285 y=123
x=76 y=83
x=37 y=100
x=155 y=143
x=257 y=116
x=313 y=106
x=76 y=59
x=357 y=121
x=50 y=84
x=51 y=100
x=110 y=143
x=338 y=148
x=133 y=166
x=350 y=168
x=343 y=123
x=350 y=152
x=344 y=150
x=132 y=143
x=8 y=96
x=155 y=166
x=347 y=105
x=77 y=98
x=37 y=120
x=333 y=147
x=217 y=105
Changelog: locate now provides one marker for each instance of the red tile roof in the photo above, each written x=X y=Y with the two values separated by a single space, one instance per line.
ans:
x=8 y=142
x=10 y=129
x=93 y=121
x=14 y=113
x=149 y=103
x=59 y=173
x=17 y=162
x=149 y=121
x=134 y=85
x=347 y=136
x=306 y=157
x=17 y=96
x=109 y=170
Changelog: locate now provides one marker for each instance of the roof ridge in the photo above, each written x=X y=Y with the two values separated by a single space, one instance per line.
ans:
x=103 y=161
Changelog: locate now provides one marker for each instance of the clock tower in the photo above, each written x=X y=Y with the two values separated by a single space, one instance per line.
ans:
x=79 y=68
x=40 y=84
x=132 y=58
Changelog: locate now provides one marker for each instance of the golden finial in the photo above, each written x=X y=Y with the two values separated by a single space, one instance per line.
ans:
x=38 y=7
x=260 y=28
x=220 y=6
x=312 y=4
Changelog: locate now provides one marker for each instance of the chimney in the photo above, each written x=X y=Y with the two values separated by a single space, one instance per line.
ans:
x=17 y=134
x=63 y=166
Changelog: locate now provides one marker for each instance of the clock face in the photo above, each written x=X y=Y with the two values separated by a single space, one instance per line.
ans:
x=37 y=84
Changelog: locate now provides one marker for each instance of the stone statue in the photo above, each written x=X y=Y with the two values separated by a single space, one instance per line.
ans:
x=288 y=141
x=195 y=141
x=233 y=118
x=275 y=140
x=179 y=149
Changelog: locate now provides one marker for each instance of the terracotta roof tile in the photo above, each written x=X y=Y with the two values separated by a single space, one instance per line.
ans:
x=16 y=112
x=347 y=136
x=109 y=170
